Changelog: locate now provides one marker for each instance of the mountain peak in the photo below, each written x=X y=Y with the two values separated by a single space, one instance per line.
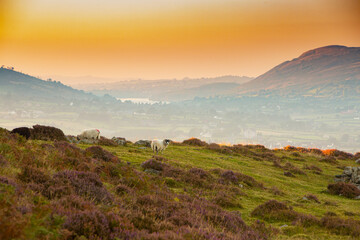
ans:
x=331 y=50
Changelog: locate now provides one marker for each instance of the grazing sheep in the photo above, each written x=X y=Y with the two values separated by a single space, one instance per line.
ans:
x=22 y=131
x=159 y=145
x=89 y=134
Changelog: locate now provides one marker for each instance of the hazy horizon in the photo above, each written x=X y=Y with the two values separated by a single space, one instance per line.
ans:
x=165 y=40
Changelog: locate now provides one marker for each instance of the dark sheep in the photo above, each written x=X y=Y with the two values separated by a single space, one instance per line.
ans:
x=22 y=131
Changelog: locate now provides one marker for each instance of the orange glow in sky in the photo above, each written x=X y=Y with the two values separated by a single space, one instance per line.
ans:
x=168 y=39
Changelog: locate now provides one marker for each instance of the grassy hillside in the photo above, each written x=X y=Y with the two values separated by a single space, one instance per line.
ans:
x=54 y=190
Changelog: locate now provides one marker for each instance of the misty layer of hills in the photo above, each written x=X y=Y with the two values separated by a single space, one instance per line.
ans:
x=311 y=101
x=168 y=90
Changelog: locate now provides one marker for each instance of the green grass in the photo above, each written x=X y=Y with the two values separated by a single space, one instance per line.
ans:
x=263 y=171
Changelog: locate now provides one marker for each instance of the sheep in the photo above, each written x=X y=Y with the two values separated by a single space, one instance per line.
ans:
x=159 y=145
x=89 y=134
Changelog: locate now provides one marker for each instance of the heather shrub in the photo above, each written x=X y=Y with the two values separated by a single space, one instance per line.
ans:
x=107 y=142
x=345 y=189
x=67 y=149
x=273 y=210
x=312 y=197
x=229 y=176
x=84 y=184
x=293 y=169
x=337 y=153
x=313 y=168
x=101 y=154
x=295 y=154
x=47 y=147
x=91 y=224
x=255 y=146
x=330 y=214
x=303 y=150
x=214 y=146
x=289 y=174
x=7 y=181
x=276 y=163
x=199 y=172
x=329 y=159
x=12 y=221
x=153 y=164
x=351 y=214
x=268 y=156
x=226 y=200
x=3 y=161
x=33 y=175
x=261 y=228
x=276 y=191
x=306 y=220
x=47 y=133
x=341 y=226
x=172 y=183
x=22 y=131
x=195 y=142
x=122 y=189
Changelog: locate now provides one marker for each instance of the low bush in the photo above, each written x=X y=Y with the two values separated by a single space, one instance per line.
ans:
x=293 y=169
x=153 y=164
x=329 y=159
x=33 y=175
x=195 y=142
x=85 y=184
x=229 y=176
x=341 y=226
x=276 y=191
x=313 y=168
x=273 y=210
x=337 y=153
x=107 y=142
x=101 y=154
x=312 y=197
x=289 y=174
x=344 y=189
x=47 y=133
x=226 y=200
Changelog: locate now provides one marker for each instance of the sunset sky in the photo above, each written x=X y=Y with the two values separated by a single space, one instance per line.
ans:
x=153 y=39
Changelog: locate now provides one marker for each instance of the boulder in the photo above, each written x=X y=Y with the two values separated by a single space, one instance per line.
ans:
x=120 y=141
x=349 y=175
x=145 y=143
x=72 y=139
x=348 y=171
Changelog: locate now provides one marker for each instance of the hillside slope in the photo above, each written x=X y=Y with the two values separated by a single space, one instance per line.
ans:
x=54 y=190
x=24 y=86
x=316 y=72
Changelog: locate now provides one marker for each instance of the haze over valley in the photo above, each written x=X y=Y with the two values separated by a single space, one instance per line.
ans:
x=310 y=101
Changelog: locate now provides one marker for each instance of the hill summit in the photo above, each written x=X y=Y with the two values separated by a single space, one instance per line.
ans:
x=317 y=72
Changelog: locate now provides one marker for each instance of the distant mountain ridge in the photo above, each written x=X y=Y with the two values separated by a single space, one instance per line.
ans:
x=315 y=72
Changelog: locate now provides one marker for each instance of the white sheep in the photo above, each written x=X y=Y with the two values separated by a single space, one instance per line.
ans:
x=159 y=145
x=89 y=134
